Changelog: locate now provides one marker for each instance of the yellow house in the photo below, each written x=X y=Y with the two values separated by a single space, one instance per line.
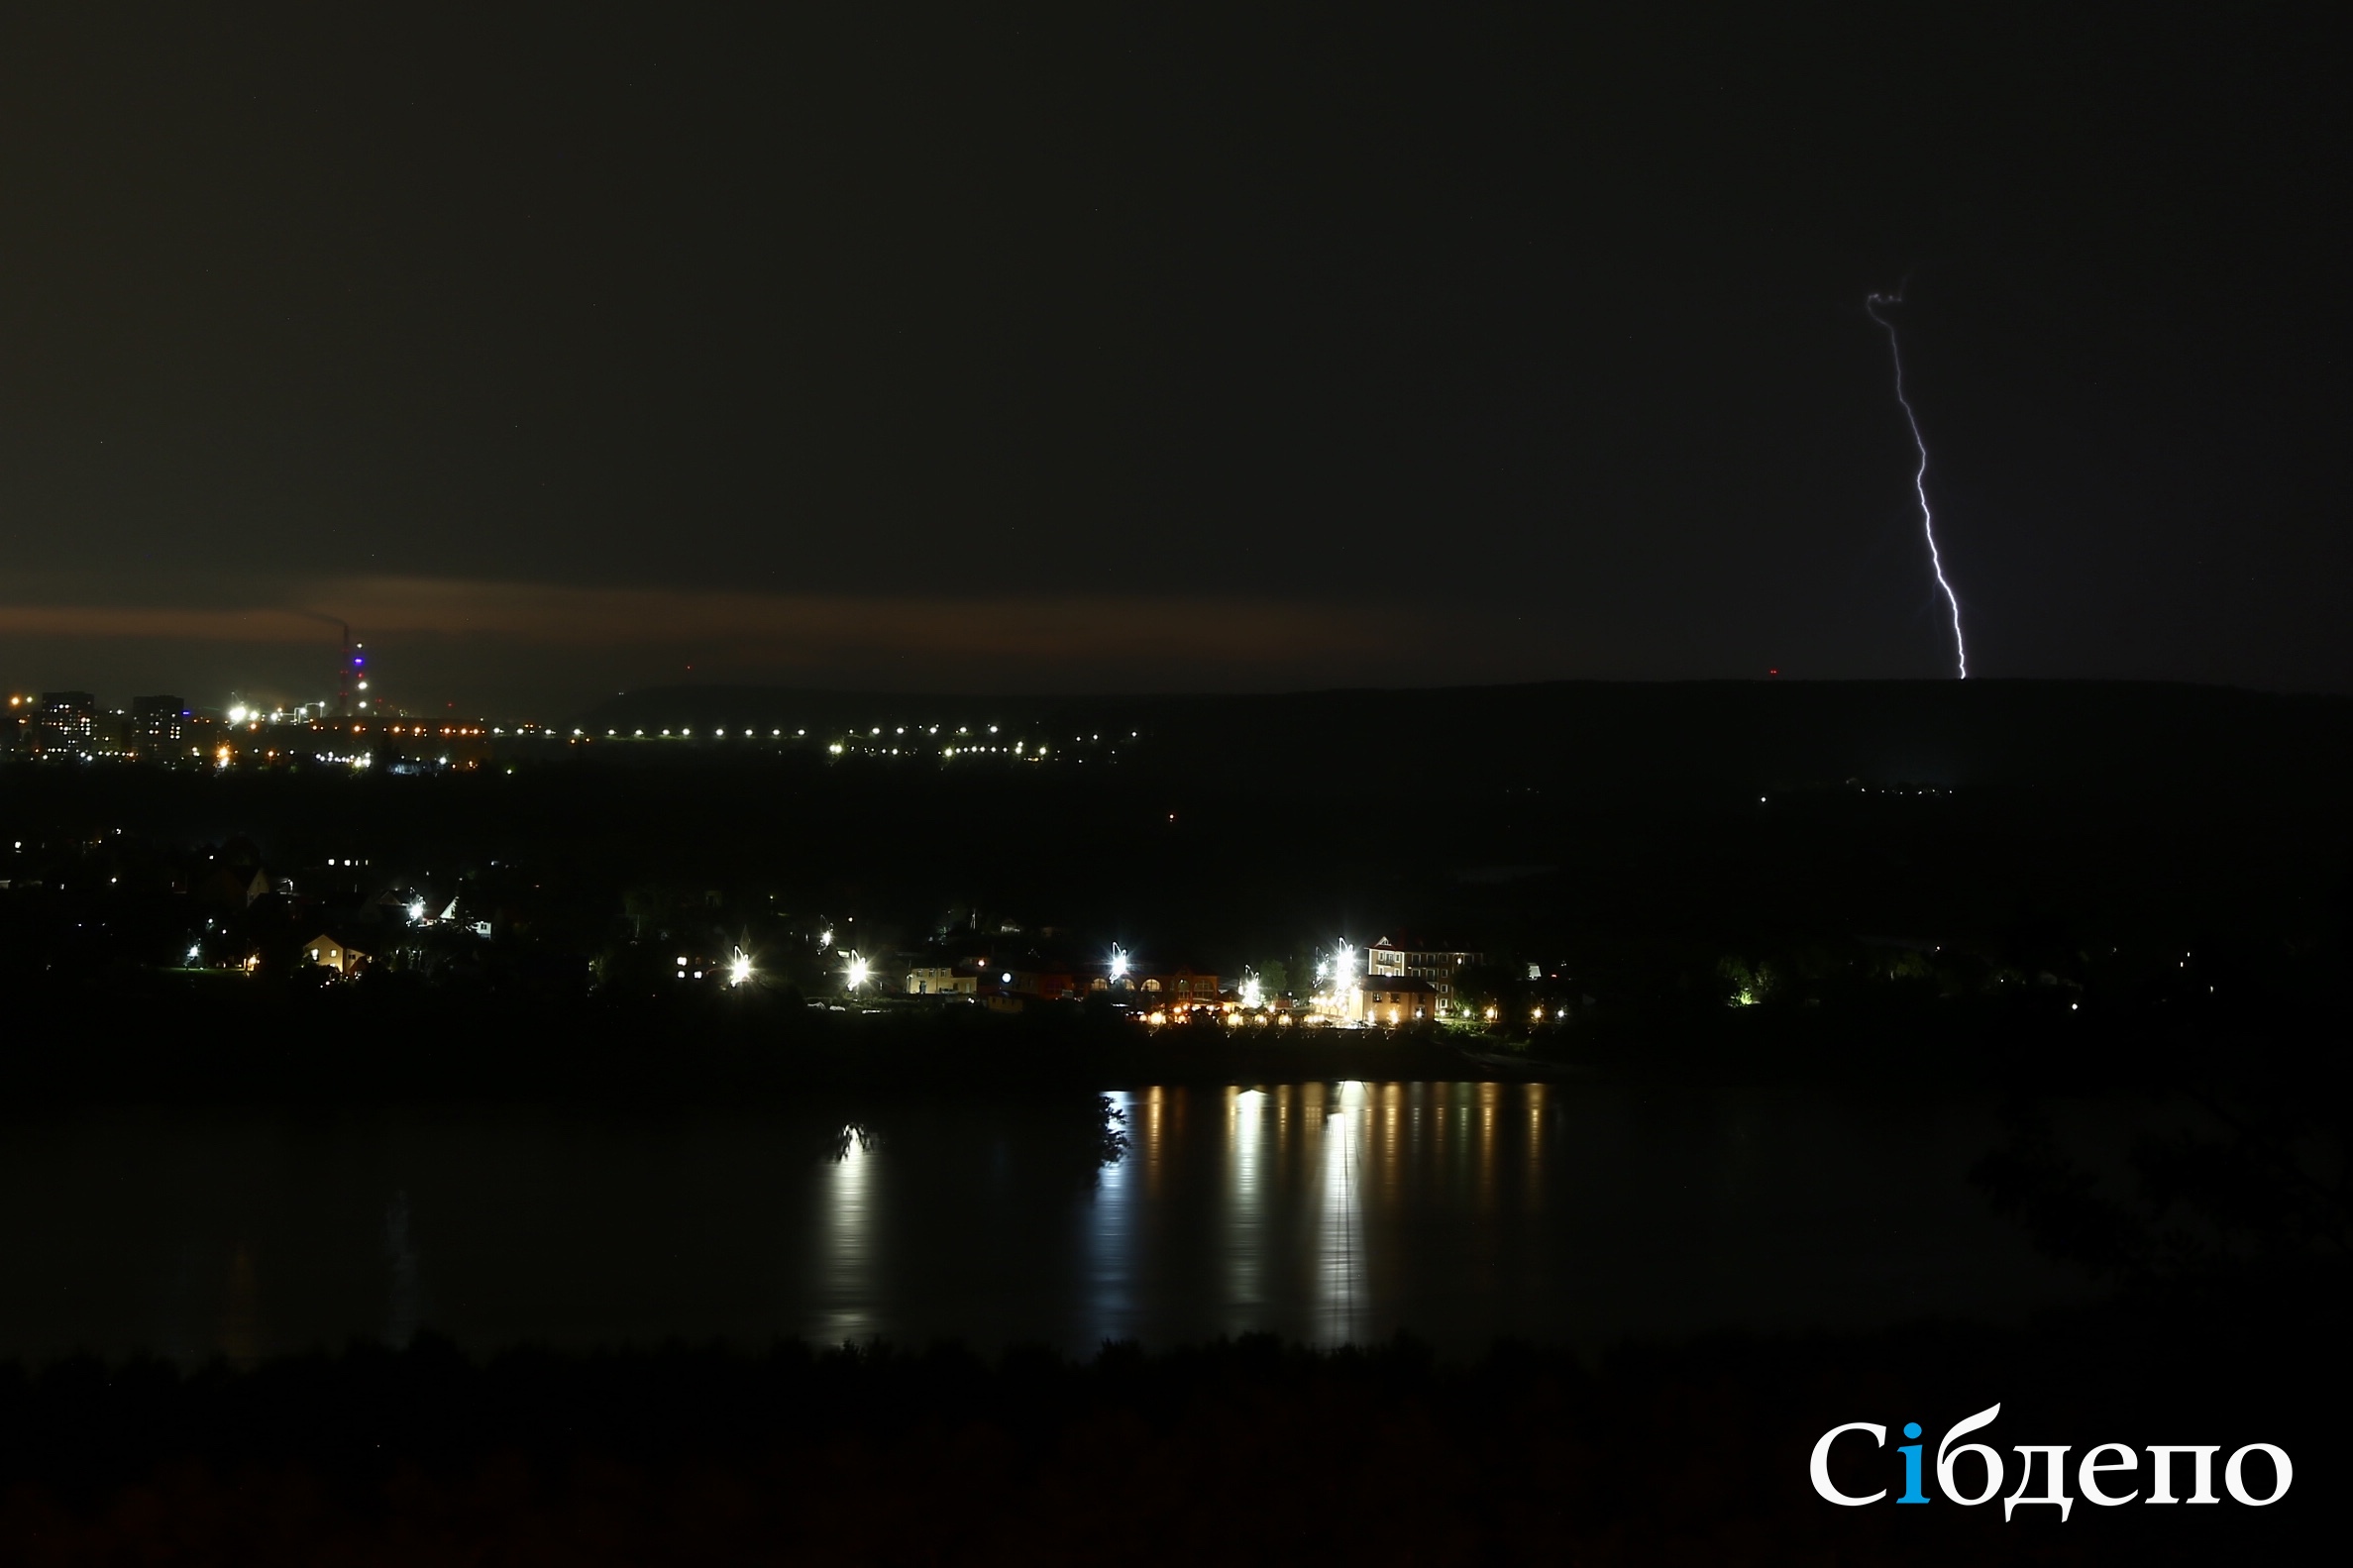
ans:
x=942 y=980
x=328 y=952
x=1391 y=1001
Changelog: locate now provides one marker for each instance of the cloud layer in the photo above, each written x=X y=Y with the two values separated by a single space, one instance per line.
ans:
x=499 y=642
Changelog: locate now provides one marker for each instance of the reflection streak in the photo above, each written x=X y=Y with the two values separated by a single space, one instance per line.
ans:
x=1341 y=1303
x=1246 y=1226
x=846 y=1287
x=1110 y=1232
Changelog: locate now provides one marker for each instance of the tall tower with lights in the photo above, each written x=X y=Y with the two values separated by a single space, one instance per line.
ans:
x=352 y=681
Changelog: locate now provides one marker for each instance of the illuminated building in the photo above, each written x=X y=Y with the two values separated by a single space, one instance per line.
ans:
x=1418 y=961
x=1387 y=1000
x=1183 y=987
x=328 y=952
x=66 y=722
x=943 y=980
x=156 y=722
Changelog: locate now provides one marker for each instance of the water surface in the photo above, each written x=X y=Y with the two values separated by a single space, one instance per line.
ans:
x=1318 y=1211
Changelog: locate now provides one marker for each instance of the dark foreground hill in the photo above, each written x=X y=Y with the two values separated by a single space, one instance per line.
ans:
x=1237 y=1452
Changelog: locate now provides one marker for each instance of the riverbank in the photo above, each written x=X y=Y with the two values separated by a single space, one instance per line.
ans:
x=231 y=1044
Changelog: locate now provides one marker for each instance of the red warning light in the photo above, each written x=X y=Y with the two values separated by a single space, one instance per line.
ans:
x=1773 y=672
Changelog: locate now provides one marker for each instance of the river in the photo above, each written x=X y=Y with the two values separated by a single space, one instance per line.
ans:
x=1323 y=1213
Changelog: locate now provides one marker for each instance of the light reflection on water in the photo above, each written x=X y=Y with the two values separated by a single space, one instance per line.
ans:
x=1245 y=1241
x=1319 y=1211
x=847 y=1293
x=1341 y=1297
x=1109 y=1226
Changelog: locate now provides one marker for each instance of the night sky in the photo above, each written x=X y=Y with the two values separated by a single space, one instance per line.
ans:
x=1162 y=346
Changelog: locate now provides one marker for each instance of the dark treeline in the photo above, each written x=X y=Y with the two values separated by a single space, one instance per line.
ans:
x=586 y=869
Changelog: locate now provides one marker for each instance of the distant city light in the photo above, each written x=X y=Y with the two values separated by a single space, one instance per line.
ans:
x=237 y=715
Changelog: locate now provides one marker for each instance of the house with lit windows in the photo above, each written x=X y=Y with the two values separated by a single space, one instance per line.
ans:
x=330 y=952
x=1408 y=958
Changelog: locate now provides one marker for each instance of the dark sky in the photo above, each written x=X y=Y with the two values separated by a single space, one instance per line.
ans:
x=1115 y=347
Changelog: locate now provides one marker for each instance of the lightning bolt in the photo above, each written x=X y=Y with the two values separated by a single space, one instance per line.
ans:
x=1936 y=562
